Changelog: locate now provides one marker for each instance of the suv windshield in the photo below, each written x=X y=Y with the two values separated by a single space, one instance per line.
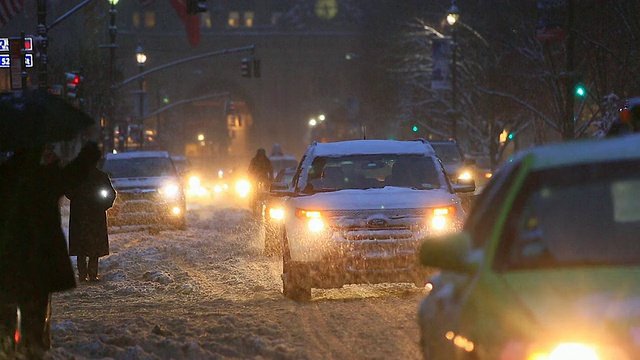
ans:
x=576 y=216
x=374 y=171
x=139 y=167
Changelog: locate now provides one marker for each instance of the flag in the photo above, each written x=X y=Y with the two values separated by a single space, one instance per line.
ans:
x=9 y=9
x=191 y=22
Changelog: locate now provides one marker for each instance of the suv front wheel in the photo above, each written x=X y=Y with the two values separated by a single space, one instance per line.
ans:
x=296 y=281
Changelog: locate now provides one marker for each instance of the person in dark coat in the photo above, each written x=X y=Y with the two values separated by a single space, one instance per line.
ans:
x=88 y=222
x=261 y=175
x=34 y=261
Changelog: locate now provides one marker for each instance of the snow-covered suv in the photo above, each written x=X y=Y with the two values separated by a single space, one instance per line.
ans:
x=149 y=190
x=357 y=211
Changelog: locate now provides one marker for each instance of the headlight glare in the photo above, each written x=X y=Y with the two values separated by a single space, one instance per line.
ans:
x=276 y=213
x=194 y=181
x=568 y=351
x=315 y=225
x=464 y=175
x=170 y=190
x=313 y=219
x=441 y=218
x=561 y=351
x=243 y=187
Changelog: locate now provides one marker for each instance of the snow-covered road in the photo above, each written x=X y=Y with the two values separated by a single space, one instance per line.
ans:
x=209 y=293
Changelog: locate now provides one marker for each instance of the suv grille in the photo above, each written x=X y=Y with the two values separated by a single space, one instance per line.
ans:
x=378 y=239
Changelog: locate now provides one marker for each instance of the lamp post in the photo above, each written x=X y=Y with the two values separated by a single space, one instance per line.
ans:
x=141 y=58
x=109 y=122
x=452 y=19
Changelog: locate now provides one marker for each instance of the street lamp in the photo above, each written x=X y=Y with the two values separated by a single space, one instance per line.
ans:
x=108 y=127
x=141 y=58
x=452 y=19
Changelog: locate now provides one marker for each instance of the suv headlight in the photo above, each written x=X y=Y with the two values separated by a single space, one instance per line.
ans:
x=170 y=191
x=276 y=213
x=312 y=218
x=442 y=218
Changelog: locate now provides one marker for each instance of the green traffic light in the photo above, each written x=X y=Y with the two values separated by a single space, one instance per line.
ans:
x=415 y=128
x=510 y=136
x=580 y=90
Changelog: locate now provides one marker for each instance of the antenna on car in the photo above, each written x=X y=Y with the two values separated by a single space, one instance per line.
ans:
x=364 y=132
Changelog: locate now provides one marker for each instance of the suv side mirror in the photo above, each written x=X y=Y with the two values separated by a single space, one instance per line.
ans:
x=464 y=186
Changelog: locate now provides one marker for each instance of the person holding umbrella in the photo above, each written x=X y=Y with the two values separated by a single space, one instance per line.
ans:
x=34 y=261
x=88 y=222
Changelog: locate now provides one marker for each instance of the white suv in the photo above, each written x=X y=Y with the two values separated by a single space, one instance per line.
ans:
x=148 y=189
x=357 y=211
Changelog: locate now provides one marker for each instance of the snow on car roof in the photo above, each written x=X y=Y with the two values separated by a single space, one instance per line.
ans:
x=356 y=147
x=137 y=154
x=585 y=151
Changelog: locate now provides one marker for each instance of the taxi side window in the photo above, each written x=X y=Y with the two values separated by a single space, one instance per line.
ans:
x=484 y=213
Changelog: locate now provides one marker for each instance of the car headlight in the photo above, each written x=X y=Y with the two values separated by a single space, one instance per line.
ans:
x=465 y=175
x=170 y=191
x=442 y=218
x=313 y=219
x=276 y=213
x=562 y=351
x=194 y=181
x=243 y=188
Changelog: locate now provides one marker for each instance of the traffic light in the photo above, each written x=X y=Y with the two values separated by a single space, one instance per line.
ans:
x=580 y=90
x=229 y=108
x=414 y=128
x=196 y=6
x=245 y=67
x=73 y=83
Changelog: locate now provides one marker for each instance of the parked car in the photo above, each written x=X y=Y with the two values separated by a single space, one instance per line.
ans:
x=546 y=265
x=356 y=211
x=148 y=189
x=274 y=211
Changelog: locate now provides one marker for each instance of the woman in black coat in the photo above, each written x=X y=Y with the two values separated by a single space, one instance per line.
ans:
x=88 y=222
x=34 y=261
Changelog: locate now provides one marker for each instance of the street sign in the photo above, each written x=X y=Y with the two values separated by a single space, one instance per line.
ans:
x=4 y=44
x=5 y=51
x=4 y=60
x=11 y=56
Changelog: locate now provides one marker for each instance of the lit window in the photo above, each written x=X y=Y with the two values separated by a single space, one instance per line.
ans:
x=149 y=19
x=135 y=19
x=234 y=19
x=248 y=18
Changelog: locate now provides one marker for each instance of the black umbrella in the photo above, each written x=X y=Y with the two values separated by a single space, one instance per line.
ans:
x=34 y=117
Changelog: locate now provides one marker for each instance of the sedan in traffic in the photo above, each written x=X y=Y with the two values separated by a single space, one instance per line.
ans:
x=547 y=265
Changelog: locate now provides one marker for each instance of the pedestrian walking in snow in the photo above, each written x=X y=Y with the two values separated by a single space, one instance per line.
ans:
x=88 y=238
